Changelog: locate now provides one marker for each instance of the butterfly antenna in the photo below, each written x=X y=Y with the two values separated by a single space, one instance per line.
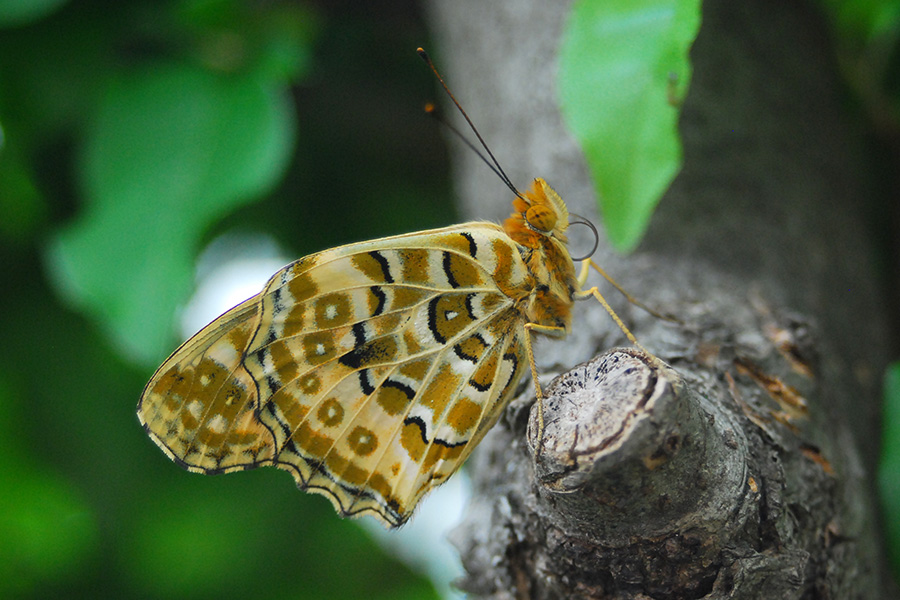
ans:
x=435 y=113
x=496 y=168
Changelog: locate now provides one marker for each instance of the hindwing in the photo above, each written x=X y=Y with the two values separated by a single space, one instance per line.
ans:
x=200 y=405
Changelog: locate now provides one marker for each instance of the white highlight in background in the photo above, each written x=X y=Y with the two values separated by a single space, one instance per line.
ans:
x=422 y=543
x=231 y=269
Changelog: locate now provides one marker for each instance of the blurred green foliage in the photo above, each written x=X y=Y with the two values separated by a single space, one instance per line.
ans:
x=866 y=35
x=133 y=133
x=623 y=73
x=177 y=146
x=861 y=23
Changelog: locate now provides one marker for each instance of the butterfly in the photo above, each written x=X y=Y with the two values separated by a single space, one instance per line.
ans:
x=370 y=371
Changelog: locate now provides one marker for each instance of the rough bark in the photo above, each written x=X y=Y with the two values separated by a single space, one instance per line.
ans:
x=742 y=467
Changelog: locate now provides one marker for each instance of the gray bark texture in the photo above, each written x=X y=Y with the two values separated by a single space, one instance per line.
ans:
x=739 y=463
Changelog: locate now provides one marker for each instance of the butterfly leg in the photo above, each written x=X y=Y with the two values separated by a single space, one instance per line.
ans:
x=582 y=294
x=539 y=395
x=587 y=263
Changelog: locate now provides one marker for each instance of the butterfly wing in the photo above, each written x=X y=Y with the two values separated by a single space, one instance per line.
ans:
x=199 y=405
x=381 y=365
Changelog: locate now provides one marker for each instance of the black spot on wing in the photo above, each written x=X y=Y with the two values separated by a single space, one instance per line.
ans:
x=457 y=349
x=359 y=334
x=432 y=321
x=376 y=351
x=383 y=263
x=276 y=300
x=399 y=385
x=360 y=353
x=469 y=308
x=473 y=247
x=420 y=424
x=285 y=428
x=448 y=270
x=446 y=444
x=381 y=297
x=479 y=386
x=273 y=384
x=355 y=358
x=464 y=354
x=513 y=373
x=364 y=383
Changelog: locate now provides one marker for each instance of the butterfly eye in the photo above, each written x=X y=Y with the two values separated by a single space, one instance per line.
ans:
x=540 y=218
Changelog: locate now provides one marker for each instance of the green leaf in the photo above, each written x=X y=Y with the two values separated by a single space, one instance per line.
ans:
x=863 y=19
x=623 y=72
x=46 y=530
x=180 y=552
x=14 y=13
x=889 y=464
x=22 y=207
x=172 y=149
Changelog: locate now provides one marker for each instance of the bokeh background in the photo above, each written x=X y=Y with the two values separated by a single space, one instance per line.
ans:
x=144 y=145
x=134 y=117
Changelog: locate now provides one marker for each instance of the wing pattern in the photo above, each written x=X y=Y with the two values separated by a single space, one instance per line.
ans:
x=199 y=407
x=369 y=371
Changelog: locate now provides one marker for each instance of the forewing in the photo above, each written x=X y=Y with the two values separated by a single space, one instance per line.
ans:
x=451 y=416
x=380 y=365
x=199 y=407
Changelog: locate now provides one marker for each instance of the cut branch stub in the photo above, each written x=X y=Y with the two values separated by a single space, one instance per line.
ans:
x=629 y=449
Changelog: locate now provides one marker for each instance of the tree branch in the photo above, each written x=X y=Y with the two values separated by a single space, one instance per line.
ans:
x=741 y=468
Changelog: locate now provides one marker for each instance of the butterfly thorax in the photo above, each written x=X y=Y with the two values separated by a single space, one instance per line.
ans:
x=538 y=224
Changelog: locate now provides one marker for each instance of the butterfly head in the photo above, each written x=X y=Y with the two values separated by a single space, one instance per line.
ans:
x=538 y=213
